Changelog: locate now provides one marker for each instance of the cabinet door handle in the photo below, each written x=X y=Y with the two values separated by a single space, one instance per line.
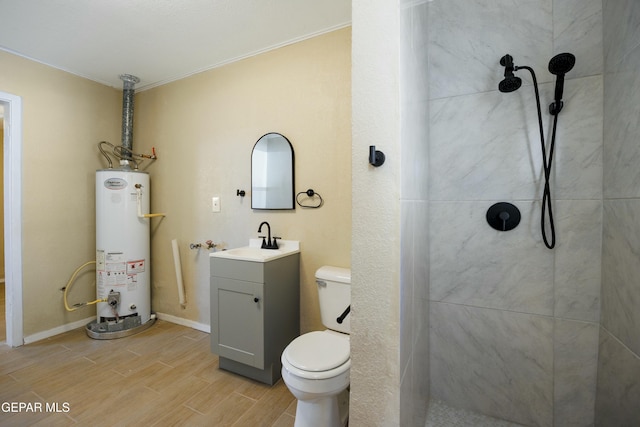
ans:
x=256 y=299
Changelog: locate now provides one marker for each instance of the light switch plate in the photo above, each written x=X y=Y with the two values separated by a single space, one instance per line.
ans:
x=215 y=204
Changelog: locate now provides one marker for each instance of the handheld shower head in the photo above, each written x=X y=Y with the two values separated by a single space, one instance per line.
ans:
x=560 y=65
x=510 y=82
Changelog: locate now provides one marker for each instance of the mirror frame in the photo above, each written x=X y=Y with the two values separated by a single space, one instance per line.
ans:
x=286 y=192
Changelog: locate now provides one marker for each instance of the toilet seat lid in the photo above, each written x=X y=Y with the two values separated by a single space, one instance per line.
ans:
x=318 y=351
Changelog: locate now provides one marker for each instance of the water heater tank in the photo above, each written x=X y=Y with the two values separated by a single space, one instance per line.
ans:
x=122 y=246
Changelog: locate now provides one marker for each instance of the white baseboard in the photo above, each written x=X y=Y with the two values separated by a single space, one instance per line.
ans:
x=38 y=336
x=184 y=322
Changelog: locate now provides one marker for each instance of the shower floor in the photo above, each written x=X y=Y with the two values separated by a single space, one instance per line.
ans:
x=441 y=415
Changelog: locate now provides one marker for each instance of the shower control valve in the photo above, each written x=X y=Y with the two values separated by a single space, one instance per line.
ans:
x=503 y=216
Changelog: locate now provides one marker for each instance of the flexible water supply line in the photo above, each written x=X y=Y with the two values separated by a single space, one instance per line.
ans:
x=104 y=153
x=68 y=286
x=124 y=154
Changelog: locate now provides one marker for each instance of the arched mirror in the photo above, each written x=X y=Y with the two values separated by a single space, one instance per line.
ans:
x=272 y=173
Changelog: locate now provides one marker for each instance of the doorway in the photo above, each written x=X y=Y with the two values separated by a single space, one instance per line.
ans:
x=12 y=208
x=3 y=322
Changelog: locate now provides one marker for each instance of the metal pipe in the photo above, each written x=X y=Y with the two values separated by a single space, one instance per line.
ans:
x=128 y=92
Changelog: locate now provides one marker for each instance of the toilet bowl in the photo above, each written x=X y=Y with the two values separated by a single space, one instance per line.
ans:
x=316 y=365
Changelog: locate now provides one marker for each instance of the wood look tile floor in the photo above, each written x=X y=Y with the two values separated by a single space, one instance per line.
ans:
x=164 y=376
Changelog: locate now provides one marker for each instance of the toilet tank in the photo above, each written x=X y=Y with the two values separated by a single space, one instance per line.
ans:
x=334 y=294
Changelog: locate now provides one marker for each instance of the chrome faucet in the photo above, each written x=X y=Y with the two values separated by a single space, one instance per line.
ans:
x=268 y=244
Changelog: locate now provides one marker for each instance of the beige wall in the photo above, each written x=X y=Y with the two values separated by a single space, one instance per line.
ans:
x=64 y=117
x=204 y=128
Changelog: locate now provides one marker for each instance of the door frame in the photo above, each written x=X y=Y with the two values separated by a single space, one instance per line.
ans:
x=13 y=216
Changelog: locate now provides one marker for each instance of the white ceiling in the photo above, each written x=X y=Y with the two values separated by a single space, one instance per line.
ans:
x=158 y=40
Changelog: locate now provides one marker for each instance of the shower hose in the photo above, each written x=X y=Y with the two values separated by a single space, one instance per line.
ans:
x=547 y=161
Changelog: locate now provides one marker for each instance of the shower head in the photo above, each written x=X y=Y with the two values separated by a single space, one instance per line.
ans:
x=560 y=65
x=510 y=82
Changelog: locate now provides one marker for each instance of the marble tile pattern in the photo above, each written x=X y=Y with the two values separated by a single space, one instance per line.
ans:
x=621 y=20
x=407 y=282
x=415 y=166
x=495 y=362
x=578 y=151
x=473 y=264
x=416 y=377
x=577 y=272
x=469 y=38
x=578 y=29
x=414 y=226
x=621 y=270
x=574 y=372
x=414 y=101
x=484 y=147
x=618 y=385
x=621 y=112
x=487 y=146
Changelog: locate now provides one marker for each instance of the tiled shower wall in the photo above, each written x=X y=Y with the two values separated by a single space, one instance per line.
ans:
x=619 y=358
x=514 y=325
x=414 y=276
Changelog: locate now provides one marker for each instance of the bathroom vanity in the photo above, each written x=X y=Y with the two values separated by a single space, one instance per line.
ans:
x=255 y=307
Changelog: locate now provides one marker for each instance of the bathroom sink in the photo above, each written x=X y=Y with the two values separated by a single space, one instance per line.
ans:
x=254 y=253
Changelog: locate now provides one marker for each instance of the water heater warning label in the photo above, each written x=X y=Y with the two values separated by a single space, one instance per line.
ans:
x=134 y=267
x=115 y=272
x=108 y=280
x=111 y=278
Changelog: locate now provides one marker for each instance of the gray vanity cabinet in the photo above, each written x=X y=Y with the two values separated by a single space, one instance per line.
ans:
x=255 y=314
x=240 y=321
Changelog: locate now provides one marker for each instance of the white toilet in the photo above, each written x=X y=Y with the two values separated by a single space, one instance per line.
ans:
x=316 y=365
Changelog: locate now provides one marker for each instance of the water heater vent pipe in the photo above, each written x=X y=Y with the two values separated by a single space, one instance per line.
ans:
x=128 y=92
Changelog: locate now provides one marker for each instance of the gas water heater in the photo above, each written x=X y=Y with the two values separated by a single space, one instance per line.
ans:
x=122 y=246
x=123 y=271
